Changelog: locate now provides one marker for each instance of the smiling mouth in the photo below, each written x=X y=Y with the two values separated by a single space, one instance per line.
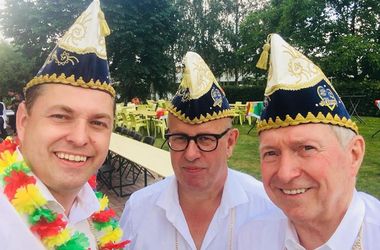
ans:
x=294 y=191
x=71 y=157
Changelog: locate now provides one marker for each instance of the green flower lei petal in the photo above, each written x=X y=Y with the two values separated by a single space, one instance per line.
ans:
x=101 y=225
x=42 y=212
x=19 y=166
x=78 y=241
x=99 y=195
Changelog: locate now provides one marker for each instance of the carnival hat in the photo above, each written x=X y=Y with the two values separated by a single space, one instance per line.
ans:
x=79 y=58
x=199 y=97
x=297 y=91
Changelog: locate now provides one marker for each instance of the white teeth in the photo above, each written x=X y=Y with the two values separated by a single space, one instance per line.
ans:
x=294 y=191
x=71 y=157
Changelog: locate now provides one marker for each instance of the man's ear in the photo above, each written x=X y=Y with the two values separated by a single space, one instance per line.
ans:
x=232 y=140
x=356 y=151
x=21 y=120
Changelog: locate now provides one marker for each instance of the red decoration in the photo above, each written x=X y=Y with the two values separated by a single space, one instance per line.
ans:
x=8 y=144
x=113 y=246
x=45 y=229
x=103 y=216
x=15 y=180
x=92 y=182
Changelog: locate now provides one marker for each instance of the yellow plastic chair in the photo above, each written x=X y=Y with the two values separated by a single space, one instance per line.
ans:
x=159 y=126
x=137 y=123
x=239 y=114
x=126 y=122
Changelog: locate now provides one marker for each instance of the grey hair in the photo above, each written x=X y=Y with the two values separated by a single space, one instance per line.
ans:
x=344 y=135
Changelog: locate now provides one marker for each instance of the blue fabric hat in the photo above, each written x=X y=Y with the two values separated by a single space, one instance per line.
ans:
x=79 y=58
x=297 y=91
x=199 y=97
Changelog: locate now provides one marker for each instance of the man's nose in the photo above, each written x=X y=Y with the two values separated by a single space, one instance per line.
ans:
x=192 y=152
x=289 y=167
x=79 y=135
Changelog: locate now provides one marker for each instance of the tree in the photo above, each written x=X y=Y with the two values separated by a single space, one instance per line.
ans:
x=139 y=46
x=342 y=36
x=34 y=26
x=14 y=69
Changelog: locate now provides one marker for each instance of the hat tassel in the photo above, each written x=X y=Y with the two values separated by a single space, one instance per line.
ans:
x=104 y=29
x=262 y=63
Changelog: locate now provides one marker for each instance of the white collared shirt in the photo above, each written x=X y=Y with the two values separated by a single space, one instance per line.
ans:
x=153 y=217
x=274 y=231
x=14 y=229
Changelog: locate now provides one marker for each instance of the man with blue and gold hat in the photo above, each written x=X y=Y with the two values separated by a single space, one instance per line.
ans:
x=310 y=153
x=205 y=203
x=64 y=128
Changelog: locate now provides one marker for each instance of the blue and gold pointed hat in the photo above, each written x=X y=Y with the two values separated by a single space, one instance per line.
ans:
x=79 y=58
x=297 y=91
x=199 y=97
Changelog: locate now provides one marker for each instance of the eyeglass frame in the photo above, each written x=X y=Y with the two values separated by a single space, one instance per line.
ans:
x=194 y=138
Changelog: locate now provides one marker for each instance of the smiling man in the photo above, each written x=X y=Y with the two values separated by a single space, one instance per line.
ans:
x=64 y=128
x=205 y=203
x=310 y=155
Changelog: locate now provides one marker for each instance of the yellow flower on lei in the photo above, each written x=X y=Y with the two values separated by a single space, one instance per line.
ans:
x=56 y=240
x=6 y=160
x=27 y=199
x=111 y=236
x=103 y=202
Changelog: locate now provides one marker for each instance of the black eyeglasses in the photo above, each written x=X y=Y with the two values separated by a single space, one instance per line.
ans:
x=205 y=142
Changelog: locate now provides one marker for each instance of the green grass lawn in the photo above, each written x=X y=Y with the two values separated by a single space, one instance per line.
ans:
x=246 y=156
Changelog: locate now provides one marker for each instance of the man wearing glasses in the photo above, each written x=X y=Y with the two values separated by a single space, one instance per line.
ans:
x=205 y=203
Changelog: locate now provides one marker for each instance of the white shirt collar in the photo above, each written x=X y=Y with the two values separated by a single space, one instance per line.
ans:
x=84 y=205
x=344 y=236
x=233 y=195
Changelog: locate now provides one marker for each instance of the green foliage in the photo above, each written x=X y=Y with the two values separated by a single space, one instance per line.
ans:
x=340 y=36
x=370 y=91
x=35 y=26
x=14 y=69
x=244 y=93
x=149 y=37
x=139 y=46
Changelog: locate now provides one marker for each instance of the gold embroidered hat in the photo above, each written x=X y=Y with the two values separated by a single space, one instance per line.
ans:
x=297 y=91
x=79 y=58
x=199 y=97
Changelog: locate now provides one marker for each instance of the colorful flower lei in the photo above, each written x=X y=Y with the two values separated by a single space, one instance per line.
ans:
x=21 y=190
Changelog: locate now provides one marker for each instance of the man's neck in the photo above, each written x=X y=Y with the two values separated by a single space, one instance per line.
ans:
x=199 y=209
x=65 y=199
x=313 y=234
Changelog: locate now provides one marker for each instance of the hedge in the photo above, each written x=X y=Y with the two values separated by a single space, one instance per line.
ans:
x=369 y=89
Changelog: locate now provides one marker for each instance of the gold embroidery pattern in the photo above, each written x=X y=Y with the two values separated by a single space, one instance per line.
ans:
x=299 y=66
x=75 y=35
x=64 y=59
x=327 y=98
x=217 y=97
x=202 y=118
x=310 y=118
x=184 y=93
x=203 y=78
x=63 y=79
x=306 y=73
